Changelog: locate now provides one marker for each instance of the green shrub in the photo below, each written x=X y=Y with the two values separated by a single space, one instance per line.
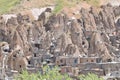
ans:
x=49 y=74
x=53 y=74
x=90 y=76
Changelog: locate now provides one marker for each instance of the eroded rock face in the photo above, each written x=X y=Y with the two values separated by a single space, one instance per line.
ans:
x=90 y=35
x=17 y=60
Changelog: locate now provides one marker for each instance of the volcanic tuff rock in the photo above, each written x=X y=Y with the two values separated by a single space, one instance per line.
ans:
x=93 y=34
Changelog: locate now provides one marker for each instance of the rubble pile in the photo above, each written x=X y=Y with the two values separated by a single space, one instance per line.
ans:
x=71 y=43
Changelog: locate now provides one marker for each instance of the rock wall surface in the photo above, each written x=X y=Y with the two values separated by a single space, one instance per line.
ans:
x=95 y=33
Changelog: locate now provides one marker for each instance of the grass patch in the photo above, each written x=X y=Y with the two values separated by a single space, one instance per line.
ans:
x=95 y=3
x=60 y=4
x=7 y=5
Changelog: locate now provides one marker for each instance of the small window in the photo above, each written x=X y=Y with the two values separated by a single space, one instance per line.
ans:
x=83 y=43
x=59 y=71
x=87 y=60
x=29 y=62
x=109 y=60
x=61 y=61
x=117 y=73
x=37 y=45
x=20 y=66
x=101 y=34
x=29 y=49
x=1 y=17
x=14 y=56
x=9 y=32
x=35 y=55
x=19 y=50
x=92 y=60
x=75 y=61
